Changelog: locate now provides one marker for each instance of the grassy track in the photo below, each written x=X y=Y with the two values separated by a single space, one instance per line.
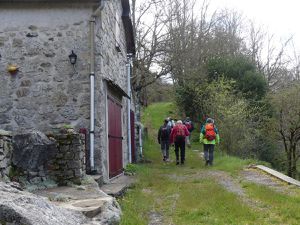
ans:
x=187 y=195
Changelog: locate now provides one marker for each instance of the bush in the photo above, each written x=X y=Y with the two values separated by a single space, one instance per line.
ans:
x=131 y=169
x=236 y=120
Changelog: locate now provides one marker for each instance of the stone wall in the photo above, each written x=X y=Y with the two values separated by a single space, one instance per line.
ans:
x=33 y=158
x=5 y=154
x=111 y=65
x=46 y=92
x=69 y=162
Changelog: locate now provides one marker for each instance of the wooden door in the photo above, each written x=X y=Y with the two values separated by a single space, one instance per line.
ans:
x=115 y=137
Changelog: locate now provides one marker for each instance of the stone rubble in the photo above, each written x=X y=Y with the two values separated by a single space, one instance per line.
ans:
x=21 y=207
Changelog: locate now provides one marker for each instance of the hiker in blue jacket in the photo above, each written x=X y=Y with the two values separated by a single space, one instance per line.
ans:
x=163 y=137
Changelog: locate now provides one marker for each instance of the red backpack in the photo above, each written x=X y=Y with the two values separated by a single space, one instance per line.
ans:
x=180 y=130
x=210 y=133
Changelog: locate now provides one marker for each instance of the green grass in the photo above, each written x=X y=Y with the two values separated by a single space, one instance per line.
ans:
x=156 y=113
x=285 y=207
x=184 y=197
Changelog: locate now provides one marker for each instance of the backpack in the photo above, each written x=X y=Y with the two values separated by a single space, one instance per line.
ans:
x=165 y=132
x=210 y=133
x=189 y=125
x=180 y=131
x=170 y=125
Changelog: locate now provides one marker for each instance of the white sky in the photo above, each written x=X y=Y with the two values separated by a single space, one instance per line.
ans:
x=278 y=17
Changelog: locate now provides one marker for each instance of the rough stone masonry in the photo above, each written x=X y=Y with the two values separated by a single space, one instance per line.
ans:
x=5 y=154
x=33 y=157
x=46 y=92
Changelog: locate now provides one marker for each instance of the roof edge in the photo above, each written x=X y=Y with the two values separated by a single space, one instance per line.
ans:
x=90 y=2
x=126 y=18
x=116 y=87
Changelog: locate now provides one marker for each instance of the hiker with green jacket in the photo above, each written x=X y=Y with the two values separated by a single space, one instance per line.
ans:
x=209 y=136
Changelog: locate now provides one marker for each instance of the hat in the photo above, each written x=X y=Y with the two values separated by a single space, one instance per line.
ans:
x=210 y=120
x=179 y=122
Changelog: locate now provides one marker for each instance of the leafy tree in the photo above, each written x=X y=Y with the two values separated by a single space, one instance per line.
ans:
x=251 y=83
x=287 y=108
x=231 y=115
x=189 y=99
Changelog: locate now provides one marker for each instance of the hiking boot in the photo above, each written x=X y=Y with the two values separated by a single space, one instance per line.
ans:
x=182 y=163
x=177 y=162
x=206 y=162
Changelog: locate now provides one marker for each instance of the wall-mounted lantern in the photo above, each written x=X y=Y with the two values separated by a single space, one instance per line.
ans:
x=73 y=58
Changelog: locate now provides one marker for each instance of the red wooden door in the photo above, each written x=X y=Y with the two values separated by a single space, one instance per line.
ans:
x=132 y=131
x=114 y=137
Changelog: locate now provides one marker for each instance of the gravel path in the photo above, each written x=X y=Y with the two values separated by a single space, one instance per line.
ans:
x=155 y=218
x=262 y=178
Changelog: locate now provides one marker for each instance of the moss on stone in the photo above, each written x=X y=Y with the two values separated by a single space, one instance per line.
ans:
x=14 y=173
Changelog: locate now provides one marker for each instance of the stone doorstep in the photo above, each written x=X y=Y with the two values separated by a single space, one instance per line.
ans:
x=98 y=179
x=117 y=186
x=278 y=175
x=89 y=207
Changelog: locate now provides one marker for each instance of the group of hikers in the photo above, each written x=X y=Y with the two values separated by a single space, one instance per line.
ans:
x=179 y=134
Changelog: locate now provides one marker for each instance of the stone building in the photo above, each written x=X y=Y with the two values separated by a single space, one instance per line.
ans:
x=41 y=89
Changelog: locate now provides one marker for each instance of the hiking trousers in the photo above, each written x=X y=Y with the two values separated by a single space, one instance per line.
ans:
x=164 y=145
x=209 y=153
x=180 y=145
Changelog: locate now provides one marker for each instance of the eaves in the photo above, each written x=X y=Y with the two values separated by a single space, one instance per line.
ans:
x=49 y=2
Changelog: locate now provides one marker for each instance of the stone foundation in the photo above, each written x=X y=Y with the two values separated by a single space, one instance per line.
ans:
x=5 y=154
x=33 y=158
x=69 y=162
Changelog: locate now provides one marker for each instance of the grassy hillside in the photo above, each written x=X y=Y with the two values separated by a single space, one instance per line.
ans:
x=195 y=194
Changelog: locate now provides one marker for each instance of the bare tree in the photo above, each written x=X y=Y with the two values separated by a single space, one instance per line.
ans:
x=150 y=34
x=195 y=39
x=271 y=59
x=295 y=71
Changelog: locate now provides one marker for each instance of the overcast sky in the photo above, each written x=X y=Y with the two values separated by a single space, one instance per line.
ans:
x=279 y=17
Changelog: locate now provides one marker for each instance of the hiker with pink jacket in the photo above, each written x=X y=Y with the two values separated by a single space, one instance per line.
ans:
x=178 y=136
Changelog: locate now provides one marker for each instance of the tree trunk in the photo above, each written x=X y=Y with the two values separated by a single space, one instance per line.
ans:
x=294 y=161
x=289 y=163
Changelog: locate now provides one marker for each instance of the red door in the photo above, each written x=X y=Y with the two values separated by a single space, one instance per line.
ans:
x=132 y=131
x=114 y=137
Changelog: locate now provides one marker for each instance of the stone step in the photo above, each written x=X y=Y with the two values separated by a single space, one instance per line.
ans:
x=87 y=199
x=278 y=175
x=98 y=179
x=89 y=207
x=117 y=186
